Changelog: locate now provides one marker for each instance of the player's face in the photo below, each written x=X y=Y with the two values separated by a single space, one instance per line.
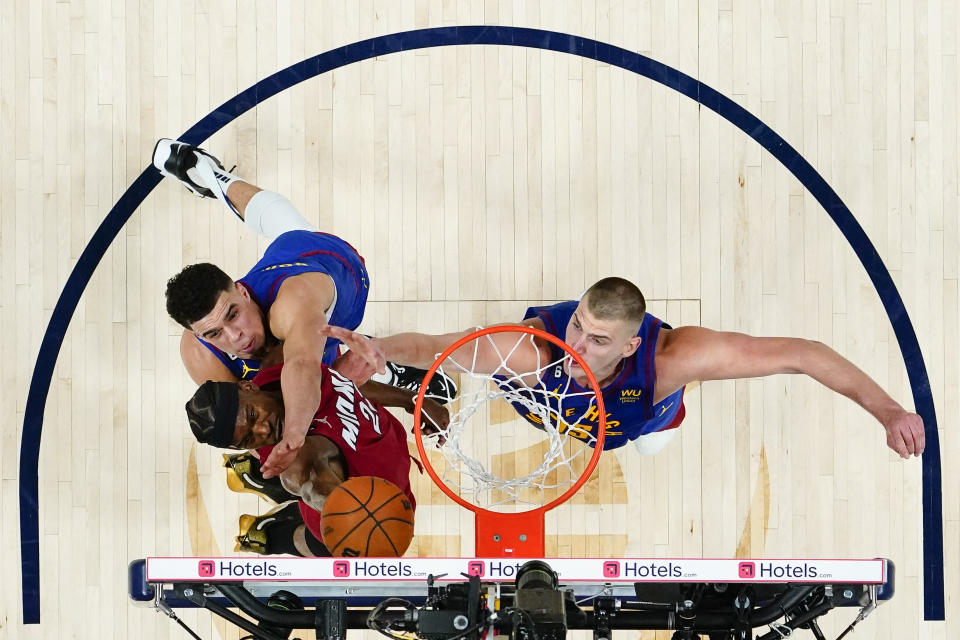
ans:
x=601 y=343
x=234 y=325
x=259 y=417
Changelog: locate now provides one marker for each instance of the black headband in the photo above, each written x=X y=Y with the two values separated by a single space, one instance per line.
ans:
x=212 y=412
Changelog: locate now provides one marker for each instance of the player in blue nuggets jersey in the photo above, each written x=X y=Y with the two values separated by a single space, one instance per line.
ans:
x=291 y=254
x=643 y=365
x=628 y=397
x=304 y=296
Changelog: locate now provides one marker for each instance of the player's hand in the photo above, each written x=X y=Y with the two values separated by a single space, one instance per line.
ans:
x=364 y=358
x=281 y=457
x=355 y=367
x=905 y=434
x=434 y=419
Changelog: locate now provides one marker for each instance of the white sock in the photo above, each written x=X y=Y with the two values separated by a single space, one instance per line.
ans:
x=270 y=214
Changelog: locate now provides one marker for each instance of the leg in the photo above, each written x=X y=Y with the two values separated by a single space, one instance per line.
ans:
x=308 y=545
x=240 y=193
x=280 y=530
x=271 y=532
x=267 y=213
x=300 y=541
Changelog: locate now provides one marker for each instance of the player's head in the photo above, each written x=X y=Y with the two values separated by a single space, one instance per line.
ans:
x=205 y=300
x=241 y=415
x=235 y=415
x=604 y=326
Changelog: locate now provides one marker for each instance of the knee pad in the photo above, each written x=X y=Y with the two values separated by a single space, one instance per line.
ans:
x=271 y=214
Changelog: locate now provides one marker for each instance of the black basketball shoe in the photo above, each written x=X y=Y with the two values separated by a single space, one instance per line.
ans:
x=243 y=475
x=441 y=388
x=175 y=159
x=255 y=530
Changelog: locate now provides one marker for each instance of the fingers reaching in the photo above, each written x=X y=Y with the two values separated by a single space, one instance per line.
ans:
x=362 y=348
x=434 y=420
x=354 y=367
x=279 y=459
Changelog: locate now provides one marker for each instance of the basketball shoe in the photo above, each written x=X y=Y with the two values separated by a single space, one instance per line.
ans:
x=182 y=162
x=201 y=173
x=244 y=476
x=441 y=388
x=255 y=530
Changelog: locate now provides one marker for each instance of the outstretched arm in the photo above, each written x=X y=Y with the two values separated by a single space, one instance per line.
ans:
x=694 y=353
x=436 y=418
x=419 y=349
x=488 y=354
x=297 y=318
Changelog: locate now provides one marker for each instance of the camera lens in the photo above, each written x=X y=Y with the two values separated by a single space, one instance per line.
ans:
x=536 y=574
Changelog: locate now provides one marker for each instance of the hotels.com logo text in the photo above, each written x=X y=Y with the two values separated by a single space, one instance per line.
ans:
x=233 y=569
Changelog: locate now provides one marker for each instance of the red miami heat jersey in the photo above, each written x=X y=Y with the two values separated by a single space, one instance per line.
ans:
x=371 y=439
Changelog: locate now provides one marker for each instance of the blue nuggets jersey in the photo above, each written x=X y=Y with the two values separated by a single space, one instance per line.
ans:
x=297 y=252
x=243 y=368
x=628 y=399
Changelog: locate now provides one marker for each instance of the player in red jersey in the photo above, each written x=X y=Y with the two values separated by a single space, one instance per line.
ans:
x=349 y=436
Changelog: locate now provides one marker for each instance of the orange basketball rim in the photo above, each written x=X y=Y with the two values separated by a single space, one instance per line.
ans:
x=519 y=534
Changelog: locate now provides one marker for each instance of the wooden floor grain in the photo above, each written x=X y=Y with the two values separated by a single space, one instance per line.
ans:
x=477 y=180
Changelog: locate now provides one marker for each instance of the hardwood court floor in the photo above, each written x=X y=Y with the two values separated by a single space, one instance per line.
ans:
x=477 y=180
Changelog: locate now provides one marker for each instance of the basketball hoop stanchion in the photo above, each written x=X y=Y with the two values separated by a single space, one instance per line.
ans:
x=519 y=534
x=722 y=598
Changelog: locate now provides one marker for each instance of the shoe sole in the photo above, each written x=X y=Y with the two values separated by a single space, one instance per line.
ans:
x=166 y=160
x=164 y=146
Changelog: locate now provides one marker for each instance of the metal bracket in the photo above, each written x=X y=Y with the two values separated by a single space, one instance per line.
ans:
x=871 y=605
x=781 y=629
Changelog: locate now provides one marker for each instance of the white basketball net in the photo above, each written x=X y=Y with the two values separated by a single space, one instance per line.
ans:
x=479 y=454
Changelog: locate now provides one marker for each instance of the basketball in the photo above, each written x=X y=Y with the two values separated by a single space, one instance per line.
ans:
x=367 y=516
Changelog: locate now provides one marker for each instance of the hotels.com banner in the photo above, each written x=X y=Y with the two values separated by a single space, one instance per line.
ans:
x=613 y=570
